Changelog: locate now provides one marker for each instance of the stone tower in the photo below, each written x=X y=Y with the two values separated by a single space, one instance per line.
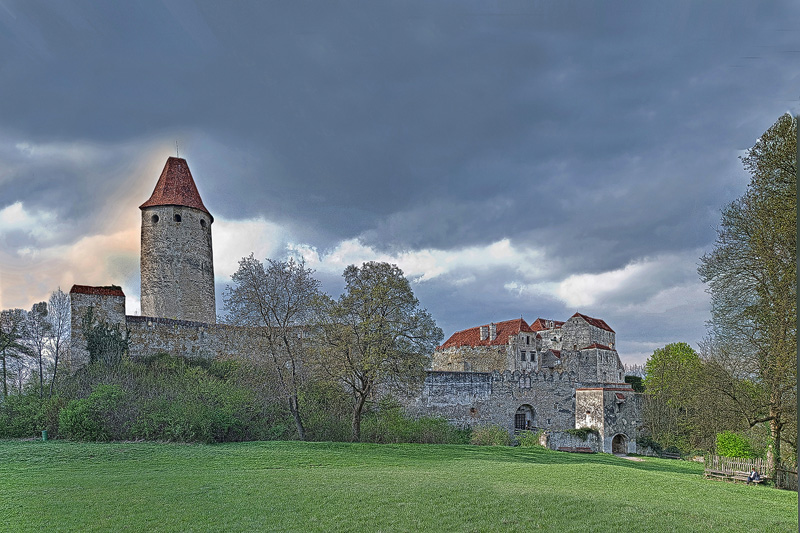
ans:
x=177 y=264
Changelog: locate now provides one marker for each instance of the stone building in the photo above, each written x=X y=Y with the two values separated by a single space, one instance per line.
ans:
x=548 y=375
x=177 y=289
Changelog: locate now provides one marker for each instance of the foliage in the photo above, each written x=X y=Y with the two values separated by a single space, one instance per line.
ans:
x=636 y=382
x=106 y=344
x=676 y=409
x=490 y=435
x=388 y=424
x=26 y=415
x=752 y=278
x=582 y=433
x=12 y=344
x=730 y=444
x=527 y=439
x=375 y=334
x=94 y=417
x=646 y=441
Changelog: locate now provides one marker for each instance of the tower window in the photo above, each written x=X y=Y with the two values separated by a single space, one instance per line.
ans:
x=522 y=356
x=177 y=218
x=154 y=218
x=202 y=223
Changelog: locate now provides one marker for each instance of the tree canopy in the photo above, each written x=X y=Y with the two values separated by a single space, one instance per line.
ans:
x=376 y=334
x=752 y=278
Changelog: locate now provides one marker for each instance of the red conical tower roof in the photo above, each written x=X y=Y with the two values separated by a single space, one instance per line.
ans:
x=176 y=187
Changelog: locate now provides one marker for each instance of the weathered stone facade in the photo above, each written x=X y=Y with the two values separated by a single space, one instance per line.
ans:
x=549 y=375
x=108 y=305
x=177 y=261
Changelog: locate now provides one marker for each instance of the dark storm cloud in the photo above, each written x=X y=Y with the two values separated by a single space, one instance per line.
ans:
x=597 y=133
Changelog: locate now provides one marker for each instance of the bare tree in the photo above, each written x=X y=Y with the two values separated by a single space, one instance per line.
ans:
x=59 y=316
x=11 y=340
x=36 y=336
x=277 y=298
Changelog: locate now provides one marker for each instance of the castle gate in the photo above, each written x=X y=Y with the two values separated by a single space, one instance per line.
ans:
x=524 y=418
x=619 y=444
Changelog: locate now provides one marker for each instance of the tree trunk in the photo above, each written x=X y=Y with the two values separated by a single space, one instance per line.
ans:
x=41 y=378
x=357 y=409
x=55 y=371
x=294 y=407
x=5 y=385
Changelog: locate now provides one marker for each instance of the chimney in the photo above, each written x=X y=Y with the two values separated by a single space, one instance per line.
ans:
x=484 y=332
x=492 y=331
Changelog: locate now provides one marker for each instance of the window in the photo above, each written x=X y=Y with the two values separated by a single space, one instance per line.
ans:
x=177 y=217
x=522 y=356
x=202 y=223
x=527 y=339
x=154 y=218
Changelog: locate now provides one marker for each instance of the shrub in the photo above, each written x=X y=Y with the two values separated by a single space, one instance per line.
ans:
x=582 y=433
x=647 y=442
x=23 y=415
x=730 y=444
x=490 y=436
x=96 y=417
x=529 y=438
x=388 y=424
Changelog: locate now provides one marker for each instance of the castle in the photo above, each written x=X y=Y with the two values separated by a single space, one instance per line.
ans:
x=548 y=375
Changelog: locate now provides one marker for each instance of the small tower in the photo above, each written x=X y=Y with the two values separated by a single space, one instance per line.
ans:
x=177 y=263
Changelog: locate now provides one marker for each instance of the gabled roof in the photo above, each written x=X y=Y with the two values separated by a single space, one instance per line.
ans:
x=596 y=322
x=111 y=290
x=598 y=346
x=472 y=336
x=176 y=187
x=540 y=324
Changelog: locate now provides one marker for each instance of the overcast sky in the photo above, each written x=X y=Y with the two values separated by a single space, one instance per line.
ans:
x=515 y=159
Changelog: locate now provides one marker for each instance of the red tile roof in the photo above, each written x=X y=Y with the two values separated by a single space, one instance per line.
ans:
x=176 y=187
x=596 y=322
x=598 y=346
x=541 y=324
x=112 y=290
x=472 y=336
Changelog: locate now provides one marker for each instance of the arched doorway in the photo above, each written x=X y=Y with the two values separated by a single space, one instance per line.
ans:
x=524 y=418
x=619 y=444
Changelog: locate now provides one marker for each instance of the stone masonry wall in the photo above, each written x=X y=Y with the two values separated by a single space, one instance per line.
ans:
x=185 y=338
x=177 y=265
x=576 y=333
x=473 y=398
x=107 y=308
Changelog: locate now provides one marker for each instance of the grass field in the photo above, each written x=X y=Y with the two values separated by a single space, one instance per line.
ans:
x=295 y=486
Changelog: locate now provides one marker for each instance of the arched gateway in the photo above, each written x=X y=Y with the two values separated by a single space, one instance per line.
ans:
x=524 y=418
x=619 y=444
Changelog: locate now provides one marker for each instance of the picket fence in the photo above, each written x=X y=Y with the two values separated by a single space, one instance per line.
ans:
x=785 y=477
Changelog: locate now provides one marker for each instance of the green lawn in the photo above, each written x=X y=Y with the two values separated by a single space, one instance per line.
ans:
x=295 y=486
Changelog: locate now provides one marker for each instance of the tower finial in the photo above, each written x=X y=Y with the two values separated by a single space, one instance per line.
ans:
x=177 y=153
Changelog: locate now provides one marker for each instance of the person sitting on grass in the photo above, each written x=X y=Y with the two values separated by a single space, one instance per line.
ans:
x=753 y=477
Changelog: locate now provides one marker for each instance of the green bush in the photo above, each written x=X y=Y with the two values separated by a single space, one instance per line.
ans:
x=388 y=424
x=583 y=433
x=647 y=442
x=96 y=417
x=490 y=436
x=26 y=415
x=730 y=444
x=529 y=438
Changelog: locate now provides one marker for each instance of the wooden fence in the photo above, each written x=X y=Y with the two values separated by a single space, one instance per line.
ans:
x=785 y=477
